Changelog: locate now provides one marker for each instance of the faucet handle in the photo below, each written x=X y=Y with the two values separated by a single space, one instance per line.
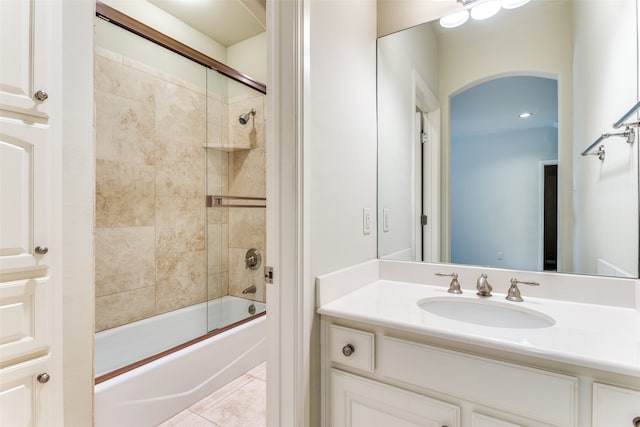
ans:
x=514 y=293
x=454 y=287
x=483 y=286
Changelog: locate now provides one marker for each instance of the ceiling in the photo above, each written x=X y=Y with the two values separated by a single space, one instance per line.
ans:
x=494 y=106
x=225 y=21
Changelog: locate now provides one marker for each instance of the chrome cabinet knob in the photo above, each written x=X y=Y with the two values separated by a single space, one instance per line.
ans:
x=348 y=350
x=636 y=422
x=42 y=250
x=44 y=378
x=41 y=95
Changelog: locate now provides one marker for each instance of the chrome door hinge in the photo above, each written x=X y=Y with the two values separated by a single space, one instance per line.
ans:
x=423 y=220
x=424 y=137
x=268 y=274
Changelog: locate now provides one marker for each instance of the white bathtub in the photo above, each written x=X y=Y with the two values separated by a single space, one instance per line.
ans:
x=154 y=392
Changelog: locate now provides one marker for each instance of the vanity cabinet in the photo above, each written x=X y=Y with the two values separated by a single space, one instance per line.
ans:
x=359 y=402
x=382 y=380
x=615 y=406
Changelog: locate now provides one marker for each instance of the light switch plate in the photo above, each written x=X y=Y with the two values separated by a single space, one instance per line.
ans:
x=366 y=221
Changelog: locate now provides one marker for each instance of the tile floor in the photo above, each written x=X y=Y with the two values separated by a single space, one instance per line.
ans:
x=241 y=403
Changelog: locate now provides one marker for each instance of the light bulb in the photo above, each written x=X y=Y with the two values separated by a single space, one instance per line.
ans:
x=455 y=19
x=485 y=10
x=512 y=4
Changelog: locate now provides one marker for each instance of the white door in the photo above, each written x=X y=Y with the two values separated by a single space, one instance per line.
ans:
x=418 y=196
x=30 y=382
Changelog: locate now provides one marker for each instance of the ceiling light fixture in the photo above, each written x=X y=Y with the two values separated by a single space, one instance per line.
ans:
x=486 y=10
x=479 y=9
x=525 y=115
x=513 y=4
x=455 y=19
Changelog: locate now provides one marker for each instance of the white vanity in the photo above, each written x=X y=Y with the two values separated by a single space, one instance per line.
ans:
x=399 y=350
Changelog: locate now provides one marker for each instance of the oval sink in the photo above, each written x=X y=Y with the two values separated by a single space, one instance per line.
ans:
x=486 y=313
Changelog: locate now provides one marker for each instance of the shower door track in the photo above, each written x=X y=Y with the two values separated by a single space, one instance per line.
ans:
x=118 y=18
x=142 y=362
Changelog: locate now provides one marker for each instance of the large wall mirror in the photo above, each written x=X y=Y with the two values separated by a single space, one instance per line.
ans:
x=481 y=130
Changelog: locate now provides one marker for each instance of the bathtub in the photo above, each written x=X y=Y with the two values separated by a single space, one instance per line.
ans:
x=152 y=393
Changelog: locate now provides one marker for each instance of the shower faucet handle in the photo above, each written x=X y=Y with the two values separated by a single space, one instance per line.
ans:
x=253 y=259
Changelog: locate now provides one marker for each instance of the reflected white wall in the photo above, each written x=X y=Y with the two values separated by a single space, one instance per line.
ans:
x=606 y=191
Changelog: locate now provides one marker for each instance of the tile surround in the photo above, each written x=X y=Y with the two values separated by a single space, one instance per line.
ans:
x=152 y=174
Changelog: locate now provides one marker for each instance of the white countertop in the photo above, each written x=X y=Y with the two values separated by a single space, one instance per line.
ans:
x=594 y=336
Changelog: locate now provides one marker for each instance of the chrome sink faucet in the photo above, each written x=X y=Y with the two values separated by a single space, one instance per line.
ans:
x=514 y=293
x=454 y=287
x=483 y=286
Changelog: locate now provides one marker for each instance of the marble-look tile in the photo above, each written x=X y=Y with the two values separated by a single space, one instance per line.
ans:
x=180 y=225
x=181 y=178
x=218 y=215
x=217 y=172
x=259 y=371
x=181 y=280
x=124 y=129
x=217 y=247
x=252 y=133
x=125 y=194
x=118 y=79
x=180 y=121
x=124 y=307
x=218 y=285
x=125 y=259
x=241 y=277
x=188 y=419
x=247 y=173
x=247 y=227
x=246 y=406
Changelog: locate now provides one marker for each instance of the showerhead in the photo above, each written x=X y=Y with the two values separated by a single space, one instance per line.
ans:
x=244 y=118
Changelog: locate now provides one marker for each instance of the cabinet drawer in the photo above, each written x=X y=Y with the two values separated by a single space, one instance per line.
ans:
x=532 y=393
x=359 y=402
x=614 y=406
x=361 y=343
x=24 y=317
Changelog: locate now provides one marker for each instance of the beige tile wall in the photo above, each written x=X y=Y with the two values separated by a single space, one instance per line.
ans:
x=152 y=227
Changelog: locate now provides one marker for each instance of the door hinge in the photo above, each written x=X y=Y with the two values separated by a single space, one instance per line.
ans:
x=268 y=274
x=424 y=137
x=423 y=220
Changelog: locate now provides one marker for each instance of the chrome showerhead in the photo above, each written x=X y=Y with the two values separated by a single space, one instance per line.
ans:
x=244 y=118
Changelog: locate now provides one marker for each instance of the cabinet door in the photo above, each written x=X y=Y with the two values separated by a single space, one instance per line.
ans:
x=23 y=398
x=359 y=402
x=615 y=406
x=24 y=46
x=24 y=195
x=480 y=420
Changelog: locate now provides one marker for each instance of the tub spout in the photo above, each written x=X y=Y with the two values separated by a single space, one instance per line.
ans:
x=250 y=290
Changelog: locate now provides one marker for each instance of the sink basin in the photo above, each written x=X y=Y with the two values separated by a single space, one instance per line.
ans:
x=486 y=313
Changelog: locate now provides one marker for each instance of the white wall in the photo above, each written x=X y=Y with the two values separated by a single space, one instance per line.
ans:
x=539 y=43
x=78 y=170
x=607 y=191
x=495 y=199
x=156 y=18
x=250 y=57
x=399 y=55
x=339 y=150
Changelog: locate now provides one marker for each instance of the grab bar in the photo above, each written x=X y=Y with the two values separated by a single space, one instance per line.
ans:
x=622 y=120
x=629 y=133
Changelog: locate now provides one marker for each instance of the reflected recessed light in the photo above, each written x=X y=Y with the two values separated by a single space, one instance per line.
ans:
x=512 y=4
x=455 y=19
x=525 y=115
x=486 y=10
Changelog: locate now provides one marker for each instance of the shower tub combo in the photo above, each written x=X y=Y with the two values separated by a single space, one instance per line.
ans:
x=154 y=391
